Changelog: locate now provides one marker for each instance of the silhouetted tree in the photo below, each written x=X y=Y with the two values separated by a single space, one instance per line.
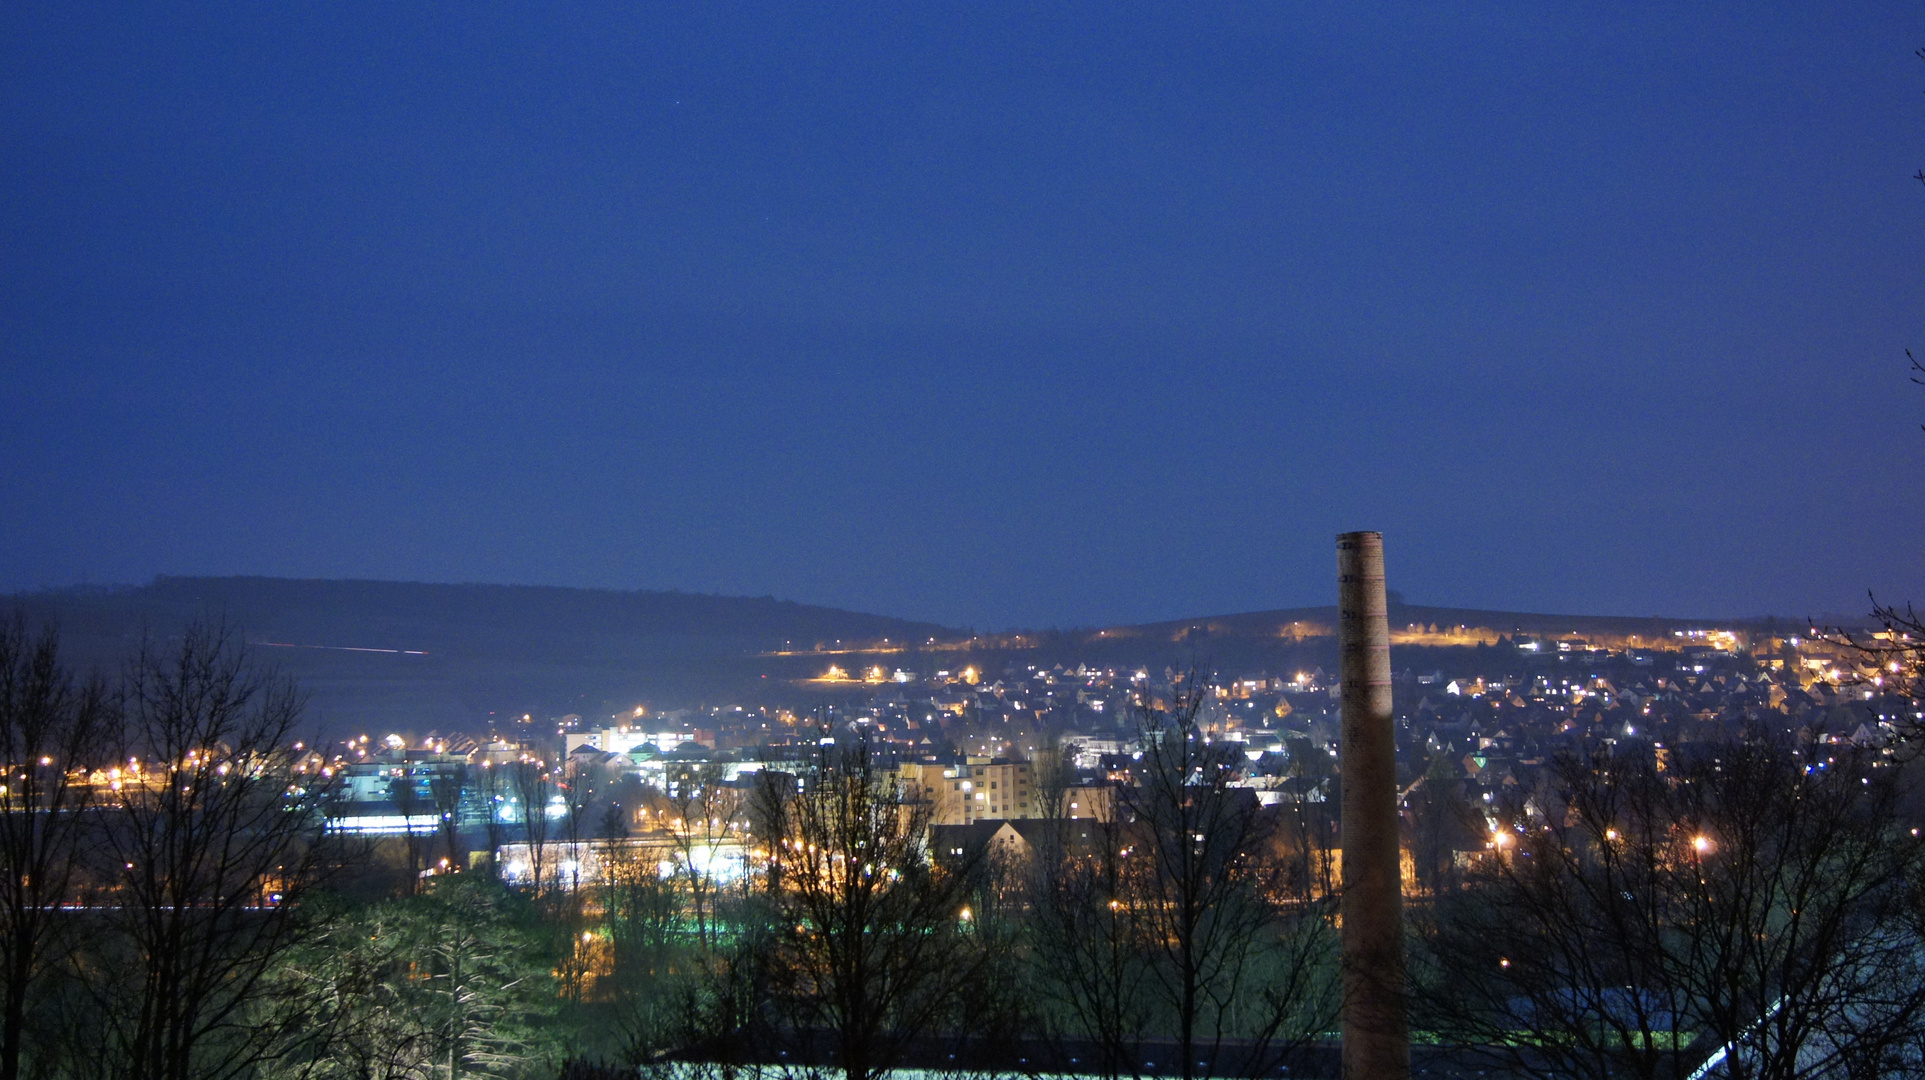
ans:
x=532 y=786
x=1752 y=902
x=215 y=836
x=872 y=945
x=706 y=812
x=1436 y=811
x=406 y=797
x=52 y=729
x=494 y=789
x=1897 y=652
x=579 y=792
x=641 y=912
x=444 y=791
x=1228 y=966
x=1086 y=939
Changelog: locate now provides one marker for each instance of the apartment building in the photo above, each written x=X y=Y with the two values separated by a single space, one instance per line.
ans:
x=974 y=789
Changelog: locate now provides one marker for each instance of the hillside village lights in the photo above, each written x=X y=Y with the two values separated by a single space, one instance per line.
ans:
x=1376 y=1035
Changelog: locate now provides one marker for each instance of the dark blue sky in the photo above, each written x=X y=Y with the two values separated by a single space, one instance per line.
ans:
x=980 y=314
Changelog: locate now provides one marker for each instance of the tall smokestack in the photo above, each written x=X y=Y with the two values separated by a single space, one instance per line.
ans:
x=1376 y=1026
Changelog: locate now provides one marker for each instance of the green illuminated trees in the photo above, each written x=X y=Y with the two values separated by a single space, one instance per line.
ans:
x=479 y=982
x=451 y=982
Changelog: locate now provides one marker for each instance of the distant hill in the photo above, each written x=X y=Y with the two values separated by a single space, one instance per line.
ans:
x=378 y=656
x=1302 y=638
x=1322 y=620
x=409 y=656
x=1456 y=640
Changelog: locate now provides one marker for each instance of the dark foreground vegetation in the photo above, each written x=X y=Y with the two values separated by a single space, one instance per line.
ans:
x=173 y=909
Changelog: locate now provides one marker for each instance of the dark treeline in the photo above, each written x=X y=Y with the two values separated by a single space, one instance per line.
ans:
x=173 y=909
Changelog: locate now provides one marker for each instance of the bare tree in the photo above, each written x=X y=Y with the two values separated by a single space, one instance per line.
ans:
x=873 y=948
x=1053 y=775
x=51 y=731
x=495 y=788
x=640 y=912
x=405 y=794
x=579 y=793
x=1086 y=938
x=444 y=791
x=532 y=786
x=1435 y=809
x=1895 y=652
x=1747 y=909
x=1243 y=983
x=706 y=813
x=706 y=998
x=1080 y=930
x=216 y=850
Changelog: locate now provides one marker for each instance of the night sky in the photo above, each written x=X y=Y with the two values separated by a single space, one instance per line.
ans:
x=982 y=314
